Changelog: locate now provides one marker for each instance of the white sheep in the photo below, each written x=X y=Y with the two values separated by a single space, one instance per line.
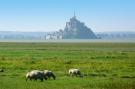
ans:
x=35 y=74
x=74 y=72
x=49 y=74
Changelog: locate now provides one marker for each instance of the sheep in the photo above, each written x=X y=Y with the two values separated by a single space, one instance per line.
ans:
x=49 y=74
x=35 y=74
x=75 y=72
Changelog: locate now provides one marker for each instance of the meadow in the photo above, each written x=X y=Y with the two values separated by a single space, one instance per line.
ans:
x=104 y=65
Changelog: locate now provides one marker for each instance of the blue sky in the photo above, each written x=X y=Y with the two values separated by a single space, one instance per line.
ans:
x=52 y=15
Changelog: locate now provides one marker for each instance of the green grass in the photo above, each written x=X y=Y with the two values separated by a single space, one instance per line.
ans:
x=105 y=65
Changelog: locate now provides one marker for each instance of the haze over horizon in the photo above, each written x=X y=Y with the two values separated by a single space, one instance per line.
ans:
x=52 y=15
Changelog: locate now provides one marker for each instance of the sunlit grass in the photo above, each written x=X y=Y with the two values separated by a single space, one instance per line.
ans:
x=104 y=65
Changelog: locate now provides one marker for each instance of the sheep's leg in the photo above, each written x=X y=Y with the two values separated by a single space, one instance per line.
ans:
x=45 y=77
x=35 y=79
x=30 y=79
x=76 y=75
x=49 y=78
x=26 y=79
x=72 y=74
x=41 y=79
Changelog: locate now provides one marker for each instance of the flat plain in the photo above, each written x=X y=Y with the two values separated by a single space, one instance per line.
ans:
x=103 y=65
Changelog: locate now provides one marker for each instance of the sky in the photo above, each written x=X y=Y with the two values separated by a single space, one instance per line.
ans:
x=52 y=15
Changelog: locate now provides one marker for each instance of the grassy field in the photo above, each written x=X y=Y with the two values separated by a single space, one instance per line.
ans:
x=104 y=65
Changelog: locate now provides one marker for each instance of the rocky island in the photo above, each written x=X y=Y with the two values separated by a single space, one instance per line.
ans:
x=75 y=29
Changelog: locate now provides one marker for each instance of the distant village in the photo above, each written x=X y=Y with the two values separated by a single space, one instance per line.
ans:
x=54 y=35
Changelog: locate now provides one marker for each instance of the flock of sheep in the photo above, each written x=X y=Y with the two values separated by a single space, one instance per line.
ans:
x=47 y=74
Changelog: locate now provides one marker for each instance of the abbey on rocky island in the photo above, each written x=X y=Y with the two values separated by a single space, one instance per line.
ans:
x=74 y=29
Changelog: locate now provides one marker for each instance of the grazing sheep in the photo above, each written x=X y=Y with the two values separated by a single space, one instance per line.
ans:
x=49 y=74
x=74 y=72
x=35 y=74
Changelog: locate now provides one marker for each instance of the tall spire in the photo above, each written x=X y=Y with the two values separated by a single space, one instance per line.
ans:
x=74 y=15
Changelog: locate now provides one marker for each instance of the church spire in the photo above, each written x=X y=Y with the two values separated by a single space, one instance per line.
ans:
x=74 y=15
